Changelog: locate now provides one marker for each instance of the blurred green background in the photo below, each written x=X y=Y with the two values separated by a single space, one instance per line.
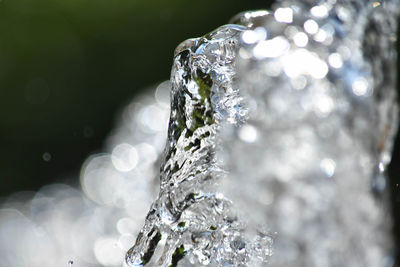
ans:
x=67 y=66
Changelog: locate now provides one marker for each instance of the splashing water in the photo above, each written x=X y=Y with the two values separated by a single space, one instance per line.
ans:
x=293 y=174
x=189 y=215
x=306 y=150
x=319 y=81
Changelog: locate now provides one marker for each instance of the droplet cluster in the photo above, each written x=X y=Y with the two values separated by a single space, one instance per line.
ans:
x=319 y=82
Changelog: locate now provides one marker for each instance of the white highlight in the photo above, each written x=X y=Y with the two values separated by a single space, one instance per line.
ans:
x=328 y=166
x=360 y=87
x=249 y=37
x=271 y=48
x=301 y=62
x=300 y=39
x=335 y=60
x=252 y=36
x=284 y=15
x=124 y=157
x=311 y=26
x=248 y=134
x=319 y=11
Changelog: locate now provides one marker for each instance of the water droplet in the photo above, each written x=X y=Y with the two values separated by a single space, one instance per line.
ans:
x=335 y=60
x=248 y=134
x=319 y=11
x=360 y=87
x=376 y=4
x=328 y=166
x=46 y=156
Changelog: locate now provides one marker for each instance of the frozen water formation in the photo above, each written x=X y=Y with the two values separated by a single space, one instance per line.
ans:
x=293 y=174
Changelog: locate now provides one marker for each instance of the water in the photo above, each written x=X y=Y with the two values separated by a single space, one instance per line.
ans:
x=189 y=218
x=280 y=132
x=311 y=158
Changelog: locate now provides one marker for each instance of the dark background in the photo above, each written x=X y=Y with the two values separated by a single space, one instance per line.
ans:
x=67 y=66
